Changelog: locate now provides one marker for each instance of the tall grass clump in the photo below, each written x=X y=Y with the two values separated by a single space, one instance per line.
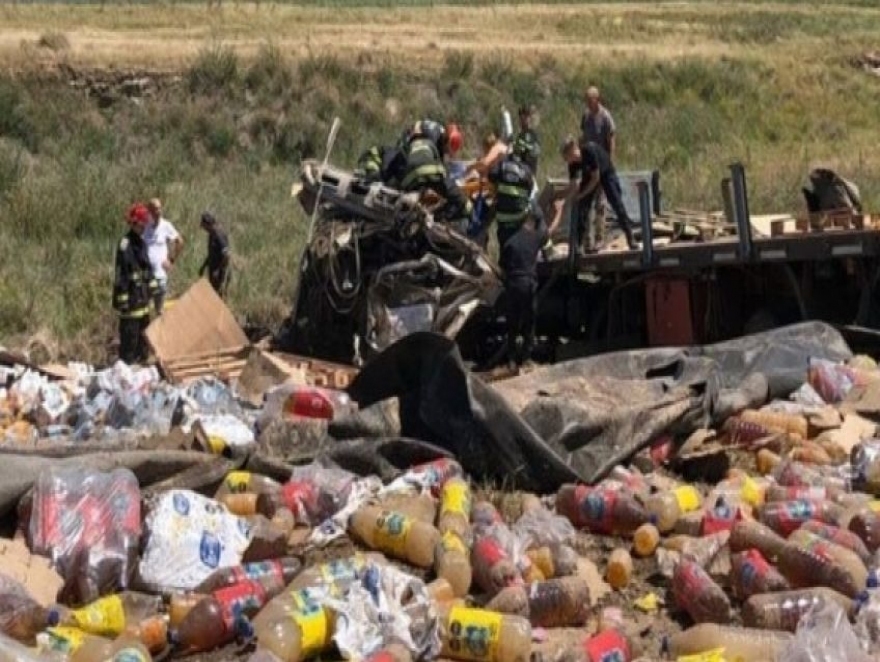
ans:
x=216 y=69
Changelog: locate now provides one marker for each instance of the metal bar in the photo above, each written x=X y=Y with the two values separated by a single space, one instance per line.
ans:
x=741 y=209
x=727 y=200
x=647 y=227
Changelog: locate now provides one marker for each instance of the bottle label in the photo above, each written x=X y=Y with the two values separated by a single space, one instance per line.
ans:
x=791 y=514
x=597 y=510
x=753 y=568
x=450 y=542
x=65 y=639
x=608 y=646
x=131 y=654
x=311 y=618
x=687 y=497
x=751 y=492
x=392 y=530
x=489 y=551
x=714 y=655
x=473 y=634
x=237 y=481
x=341 y=571
x=690 y=582
x=216 y=444
x=456 y=498
x=270 y=573
x=104 y=617
x=301 y=498
x=240 y=601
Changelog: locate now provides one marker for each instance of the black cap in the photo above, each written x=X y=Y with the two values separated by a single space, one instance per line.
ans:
x=207 y=218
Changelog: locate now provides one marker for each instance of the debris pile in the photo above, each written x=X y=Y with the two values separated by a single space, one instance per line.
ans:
x=724 y=508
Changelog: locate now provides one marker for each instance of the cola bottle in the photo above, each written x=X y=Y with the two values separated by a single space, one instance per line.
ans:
x=783 y=611
x=750 y=573
x=276 y=573
x=599 y=510
x=696 y=593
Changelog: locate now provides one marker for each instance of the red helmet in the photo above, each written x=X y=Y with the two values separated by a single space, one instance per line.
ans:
x=138 y=214
x=454 y=138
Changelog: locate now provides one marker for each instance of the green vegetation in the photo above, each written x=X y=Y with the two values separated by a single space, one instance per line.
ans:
x=228 y=137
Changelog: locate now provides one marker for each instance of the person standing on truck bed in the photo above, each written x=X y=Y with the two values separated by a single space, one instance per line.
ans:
x=513 y=181
x=526 y=143
x=597 y=126
x=589 y=170
x=134 y=286
x=217 y=261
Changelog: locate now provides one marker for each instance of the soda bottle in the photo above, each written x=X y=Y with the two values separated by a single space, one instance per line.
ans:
x=452 y=562
x=804 y=568
x=484 y=516
x=108 y=616
x=180 y=604
x=414 y=505
x=784 y=517
x=783 y=611
x=242 y=504
x=432 y=475
x=690 y=524
x=391 y=652
x=304 y=631
x=608 y=645
x=455 y=508
x=493 y=569
x=309 y=504
x=395 y=534
x=701 y=550
x=667 y=507
x=749 y=534
x=694 y=592
x=645 y=540
x=336 y=575
x=552 y=603
x=738 y=643
x=217 y=619
x=620 y=568
x=844 y=558
x=126 y=649
x=838 y=536
x=151 y=632
x=796 y=492
x=865 y=466
x=600 y=511
x=750 y=573
x=21 y=617
x=480 y=635
x=554 y=561
x=246 y=482
x=866 y=525
x=267 y=541
x=277 y=573
x=440 y=590
x=295 y=401
x=721 y=517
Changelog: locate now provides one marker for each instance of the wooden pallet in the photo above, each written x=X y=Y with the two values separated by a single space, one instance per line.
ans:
x=821 y=222
x=321 y=373
x=226 y=364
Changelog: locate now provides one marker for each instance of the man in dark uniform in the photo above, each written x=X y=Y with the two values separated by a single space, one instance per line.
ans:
x=513 y=181
x=527 y=144
x=589 y=167
x=217 y=261
x=134 y=287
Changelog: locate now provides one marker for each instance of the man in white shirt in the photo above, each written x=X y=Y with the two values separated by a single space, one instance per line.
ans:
x=164 y=244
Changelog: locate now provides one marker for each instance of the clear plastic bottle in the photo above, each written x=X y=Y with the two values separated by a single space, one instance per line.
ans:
x=552 y=603
x=21 y=617
x=866 y=525
x=696 y=593
x=479 y=635
x=110 y=615
x=645 y=540
x=493 y=569
x=304 y=631
x=750 y=573
x=600 y=511
x=238 y=482
x=75 y=644
x=415 y=505
x=152 y=633
x=845 y=558
x=484 y=516
x=434 y=474
x=667 y=507
x=554 y=561
x=180 y=604
x=749 y=534
x=815 y=566
x=787 y=516
x=274 y=575
x=699 y=549
x=220 y=617
x=783 y=611
x=126 y=650
x=396 y=535
x=838 y=536
x=336 y=575
x=620 y=569
x=865 y=465
x=291 y=400
x=738 y=643
x=796 y=492
x=455 y=508
x=242 y=504
x=452 y=563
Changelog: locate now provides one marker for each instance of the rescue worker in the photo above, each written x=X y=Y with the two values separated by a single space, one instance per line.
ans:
x=526 y=143
x=217 y=261
x=518 y=260
x=371 y=165
x=134 y=287
x=447 y=139
x=589 y=170
x=513 y=181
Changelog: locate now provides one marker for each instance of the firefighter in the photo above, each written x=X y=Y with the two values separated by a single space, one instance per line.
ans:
x=447 y=139
x=514 y=182
x=217 y=261
x=526 y=144
x=371 y=165
x=134 y=287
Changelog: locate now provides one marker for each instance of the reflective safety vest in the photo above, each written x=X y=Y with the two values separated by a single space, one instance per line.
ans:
x=528 y=148
x=134 y=285
x=424 y=167
x=513 y=190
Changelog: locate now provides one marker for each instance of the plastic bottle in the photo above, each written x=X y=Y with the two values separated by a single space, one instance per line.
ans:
x=645 y=540
x=847 y=559
x=738 y=643
x=392 y=652
x=493 y=569
x=180 y=604
x=701 y=550
x=600 y=511
x=455 y=508
x=301 y=401
x=440 y=590
x=554 y=561
x=480 y=635
x=151 y=632
x=21 y=617
x=238 y=482
x=631 y=479
x=396 y=535
x=267 y=541
x=108 y=616
x=484 y=516
x=278 y=573
x=804 y=568
x=606 y=646
x=309 y=504
x=866 y=525
x=667 y=507
x=865 y=465
x=242 y=504
x=304 y=631
x=620 y=568
x=552 y=603
x=696 y=593
x=838 y=536
x=720 y=517
x=432 y=475
x=126 y=650
x=796 y=492
x=217 y=619
x=784 y=517
x=415 y=505
x=750 y=573
x=791 y=424
x=452 y=562
x=338 y=574
x=689 y=525
x=749 y=534
x=767 y=461
x=69 y=641
x=783 y=611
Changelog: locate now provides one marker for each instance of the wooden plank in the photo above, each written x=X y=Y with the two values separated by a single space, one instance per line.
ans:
x=208 y=367
x=187 y=362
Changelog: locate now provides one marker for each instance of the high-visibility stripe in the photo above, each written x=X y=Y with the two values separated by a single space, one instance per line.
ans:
x=513 y=191
x=136 y=314
x=510 y=218
x=429 y=170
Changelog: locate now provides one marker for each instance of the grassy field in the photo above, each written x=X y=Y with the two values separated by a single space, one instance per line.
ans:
x=693 y=86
